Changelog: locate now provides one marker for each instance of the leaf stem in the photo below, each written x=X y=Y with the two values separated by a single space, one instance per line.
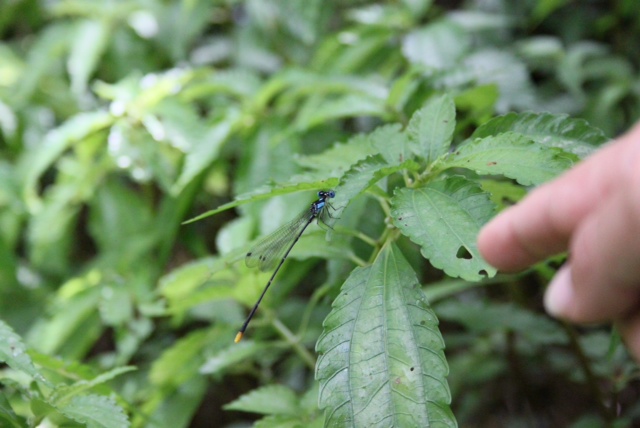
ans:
x=591 y=380
x=295 y=343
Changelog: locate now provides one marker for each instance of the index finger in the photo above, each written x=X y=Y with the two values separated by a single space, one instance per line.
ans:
x=541 y=224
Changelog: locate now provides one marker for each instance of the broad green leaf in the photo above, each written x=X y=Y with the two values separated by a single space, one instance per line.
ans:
x=13 y=352
x=173 y=407
x=340 y=156
x=571 y=135
x=117 y=214
x=512 y=155
x=56 y=142
x=431 y=128
x=381 y=360
x=503 y=193
x=232 y=355
x=392 y=144
x=66 y=393
x=204 y=151
x=438 y=46
x=363 y=175
x=444 y=218
x=318 y=110
x=74 y=324
x=492 y=66
x=268 y=400
x=89 y=42
x=180 y=362
x=181 y=281
x=96 y=411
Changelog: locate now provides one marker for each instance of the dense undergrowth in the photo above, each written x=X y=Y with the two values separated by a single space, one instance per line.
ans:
x=121 y=120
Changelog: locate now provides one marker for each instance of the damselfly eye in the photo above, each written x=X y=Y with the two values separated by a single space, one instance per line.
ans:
x=331 y=194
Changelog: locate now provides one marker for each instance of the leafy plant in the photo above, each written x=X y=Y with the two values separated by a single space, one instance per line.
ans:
x=121 y=120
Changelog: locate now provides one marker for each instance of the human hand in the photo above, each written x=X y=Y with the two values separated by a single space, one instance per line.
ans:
x=593 y=210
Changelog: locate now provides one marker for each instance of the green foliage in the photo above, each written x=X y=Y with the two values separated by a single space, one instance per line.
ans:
x=122 y=123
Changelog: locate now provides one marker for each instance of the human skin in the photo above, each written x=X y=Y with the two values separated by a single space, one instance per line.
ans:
x=593 y=211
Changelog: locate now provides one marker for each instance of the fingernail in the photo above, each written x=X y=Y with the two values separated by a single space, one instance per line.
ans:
x=559 y=294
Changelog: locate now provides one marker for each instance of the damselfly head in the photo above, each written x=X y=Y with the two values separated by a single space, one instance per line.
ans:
x=326 y=194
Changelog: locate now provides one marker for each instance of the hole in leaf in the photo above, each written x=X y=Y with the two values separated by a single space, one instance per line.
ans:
x=463 y=253
x=483 y=273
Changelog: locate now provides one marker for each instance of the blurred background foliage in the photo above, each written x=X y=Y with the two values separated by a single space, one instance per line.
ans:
x=119 y=120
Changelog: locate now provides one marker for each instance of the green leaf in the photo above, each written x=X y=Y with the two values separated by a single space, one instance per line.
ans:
x=13 y=352
x=205 y=150
x=55 y=143
x=181 y=361
x=319 y=110
x=267 y=192
x=89 y=42
x=96 y=411
x=232 y=355
x=287 y=421
x=48 y=48
x=439 y=45
x=8 y=417
x=487 y=318
x=512 y=155
x=444 y=218
x=172 y=407
x=363 y=175
x=431 y=128
x=66 y=393
x=74 y=323
x=339 y=157
x=392 y=144
x=117 y=215
x=268 y=400
x=381 y=360
x=571 y=135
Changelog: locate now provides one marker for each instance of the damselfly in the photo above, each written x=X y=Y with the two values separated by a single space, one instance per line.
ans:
x=277 y=246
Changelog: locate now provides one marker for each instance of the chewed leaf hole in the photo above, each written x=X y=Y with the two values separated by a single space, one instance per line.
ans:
x=463 y=253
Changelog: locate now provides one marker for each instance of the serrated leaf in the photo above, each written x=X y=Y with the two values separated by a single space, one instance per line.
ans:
x=96 y=411
x=13 y=352
x=340 y=156
x=444 y=218
x=361 y=176
x=55 y=143
x=268 y=400
x=571 y=135
x=431 y=128
x=512 y=155
x=391 y=143
x=381 y=360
